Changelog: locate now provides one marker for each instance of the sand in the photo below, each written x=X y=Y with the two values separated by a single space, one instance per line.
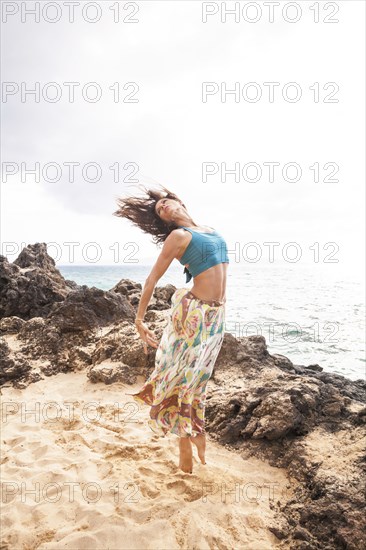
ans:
x=82 y=470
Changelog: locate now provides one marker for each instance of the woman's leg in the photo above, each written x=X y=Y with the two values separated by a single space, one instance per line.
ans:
x=185 y=455
x=199 y=402
x=200 y=442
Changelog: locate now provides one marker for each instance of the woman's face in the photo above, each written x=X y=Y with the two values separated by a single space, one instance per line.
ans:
x=167 y=209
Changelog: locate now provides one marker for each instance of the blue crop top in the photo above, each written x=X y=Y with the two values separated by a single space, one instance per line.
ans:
x=203 y=251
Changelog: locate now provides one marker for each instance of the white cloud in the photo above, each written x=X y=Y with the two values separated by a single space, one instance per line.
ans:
x=170 y=132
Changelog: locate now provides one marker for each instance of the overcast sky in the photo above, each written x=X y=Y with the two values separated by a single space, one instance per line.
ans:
x=170 y=132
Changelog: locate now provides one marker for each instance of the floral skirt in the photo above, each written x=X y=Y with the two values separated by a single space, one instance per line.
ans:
x=184 y=361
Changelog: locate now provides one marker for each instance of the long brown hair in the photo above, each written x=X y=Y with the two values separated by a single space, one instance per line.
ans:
x=141 y=212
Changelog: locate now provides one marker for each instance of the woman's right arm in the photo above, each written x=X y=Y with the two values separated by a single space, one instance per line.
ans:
x=169 y=251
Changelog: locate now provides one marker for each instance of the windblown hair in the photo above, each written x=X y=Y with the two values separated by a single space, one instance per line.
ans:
x=141 y=212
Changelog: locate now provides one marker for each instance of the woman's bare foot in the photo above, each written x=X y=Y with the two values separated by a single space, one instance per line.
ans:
x=200 y=442
x=185 y=455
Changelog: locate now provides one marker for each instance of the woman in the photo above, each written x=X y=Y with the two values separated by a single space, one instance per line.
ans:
x=191 y=341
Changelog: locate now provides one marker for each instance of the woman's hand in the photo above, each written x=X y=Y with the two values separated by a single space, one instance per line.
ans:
x=147 y=336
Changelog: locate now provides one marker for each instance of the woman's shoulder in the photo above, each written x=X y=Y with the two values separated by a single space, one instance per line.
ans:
x=177 y=234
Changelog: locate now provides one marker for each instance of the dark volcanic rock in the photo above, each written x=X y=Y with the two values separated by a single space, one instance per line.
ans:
x=303 y=421
x=40 y=339
x=11 y=325
x=41 y=348
x=31 y=284
x=160 y=299
x=112 y=373
x=119 y=355
x=245 y=351
x=254 y=399
x=86 y=308
x=12 y=366
x=129 y=289
x=36 y=255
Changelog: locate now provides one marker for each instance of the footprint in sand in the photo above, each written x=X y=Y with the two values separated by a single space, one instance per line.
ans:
x=191 y=490
x=15 y=441
x=150 y=472
x=63 y=424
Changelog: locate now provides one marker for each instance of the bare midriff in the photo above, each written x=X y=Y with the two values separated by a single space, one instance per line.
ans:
x=211 y=283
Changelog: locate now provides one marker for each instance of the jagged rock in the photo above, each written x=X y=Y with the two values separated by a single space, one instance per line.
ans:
x=334 y=519
x=31 y=284
x=87 y=308
x=264 y=410
x=72 y=284
x=11 y=325
x=283 y=362
x=269 y=406
x=12 y=367
x=126 y=287
x=161 y=298
x=80 y=358
x=112 y=372
x=129 y=289
x=279 y=531
x=36 y=255
x=302 y=534
x=244 y=350
x=40 y=339
x=317 y=368
x=122 y=344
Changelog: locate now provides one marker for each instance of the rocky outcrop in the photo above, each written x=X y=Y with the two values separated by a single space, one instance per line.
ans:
x=58 y=326
x=13 y=367
x=305 y=420
x=259 y=396
x=87 y=308
x=33 y=287
x=297 y=417
x=160 y=299
x=31 y=284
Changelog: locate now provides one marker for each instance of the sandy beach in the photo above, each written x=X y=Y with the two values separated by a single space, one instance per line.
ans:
x=82 y=470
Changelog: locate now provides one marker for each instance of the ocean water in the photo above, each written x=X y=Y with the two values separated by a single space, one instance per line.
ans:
x=308 y=315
